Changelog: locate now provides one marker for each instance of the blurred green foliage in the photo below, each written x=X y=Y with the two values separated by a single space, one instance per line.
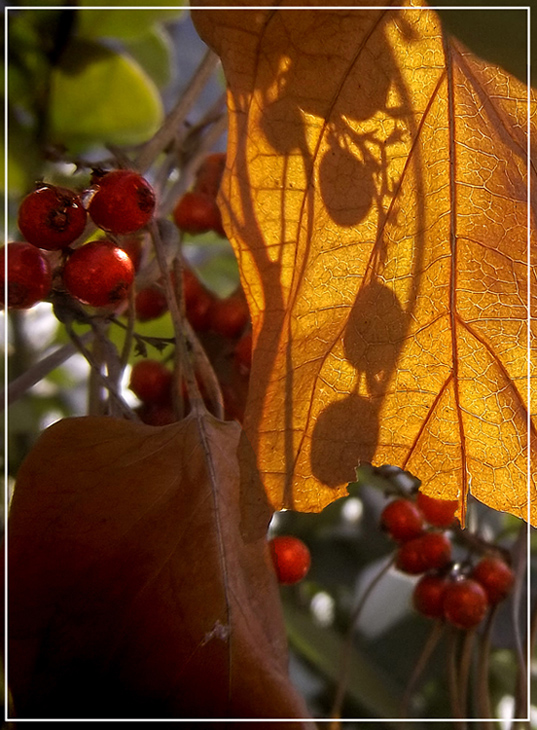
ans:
x=80 y=79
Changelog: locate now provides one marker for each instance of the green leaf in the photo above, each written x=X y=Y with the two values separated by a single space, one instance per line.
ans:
x=131 y=23
x=99 y=96
x=154 y=52
x=368 y=686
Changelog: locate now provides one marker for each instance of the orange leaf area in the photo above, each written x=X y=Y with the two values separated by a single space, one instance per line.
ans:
x=132 y=592
x=376 y=196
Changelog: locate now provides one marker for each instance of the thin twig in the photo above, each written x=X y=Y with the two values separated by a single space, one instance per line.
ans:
x=170 y=129
x=453 y=683
x=113 y=364
x=484 y=705
x=520 y=566
x=204 y=369
x=182 y=353
x=18 y=387
x=96 y=372
x=465 y=665
x=200 y=139
x=190 y=167
x=95 y=380
x=129 y=331
x=428 y=648
x=347 y=651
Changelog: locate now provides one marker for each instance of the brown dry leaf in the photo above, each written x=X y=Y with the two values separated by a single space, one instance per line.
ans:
x=376 y=197
x=131 y=590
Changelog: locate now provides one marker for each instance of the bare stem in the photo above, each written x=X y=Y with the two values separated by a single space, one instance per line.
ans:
x=18 y=387
x=453 y=683
x=129 y=332
x=465 y=667
x=520 y=566
x=99 y=376
x=347 y=651
x=170 y=129
x=212 y=136
x=183 y=348
x=484 y=705
x=204 y=369
x=429 y=647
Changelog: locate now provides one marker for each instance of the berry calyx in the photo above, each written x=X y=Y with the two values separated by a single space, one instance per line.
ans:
x=51 y=217
x=98 y=273
x=465 y=603
x=151 y=381
x=428 y=595
x=123 y=203
x=198 y=212
x=430 y=551
x=28 y=275
x=495 y=576
x=402 y=520
x=437 y=512
x=150 y=303
x=291 y=558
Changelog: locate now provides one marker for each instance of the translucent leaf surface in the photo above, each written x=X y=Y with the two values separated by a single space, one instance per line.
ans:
x=132 y=591
x=376 y=195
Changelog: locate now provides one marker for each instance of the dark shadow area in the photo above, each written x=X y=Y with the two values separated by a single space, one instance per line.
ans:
x=333 y=459
x=346 y=433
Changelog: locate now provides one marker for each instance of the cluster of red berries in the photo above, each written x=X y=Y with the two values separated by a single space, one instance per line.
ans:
x=197 y=210
x=291 y=558
x=151 y=380
x=51 y=219
x=445 y=591
x=223 y=325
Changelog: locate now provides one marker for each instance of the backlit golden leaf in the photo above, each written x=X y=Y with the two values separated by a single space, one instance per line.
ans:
x=376 y=196
x=132 y=592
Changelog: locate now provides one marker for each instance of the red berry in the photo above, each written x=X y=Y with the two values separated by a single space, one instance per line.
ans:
x=228 y=317
x=437 y=512
x=402 y=520
x=151 y=381
x=198 y=301
x=197 y=213
x=465 y=603
x=51 y=217
x=98 y=273
x=291 y=558
x=428 y=595
x=209 y=174
x=243 y=353
x=150 y=303
x=430 y=551
x=123 y=203
x=29 y=277
x=495 y=576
